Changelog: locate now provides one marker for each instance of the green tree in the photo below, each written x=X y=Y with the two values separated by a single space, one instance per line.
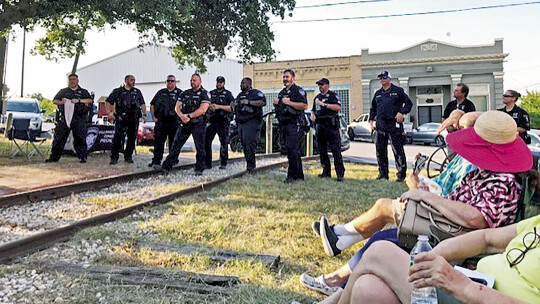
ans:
x=196 y=30
x=531 y=103
x=44 y=103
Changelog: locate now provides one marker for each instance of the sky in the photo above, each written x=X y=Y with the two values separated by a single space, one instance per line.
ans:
x=519 y=27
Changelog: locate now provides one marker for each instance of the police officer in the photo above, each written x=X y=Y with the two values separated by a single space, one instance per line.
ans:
x=191 y=108
x=290 y=106
x=325 y=114
x=125 y=105
x=80 y=98
x=248 y=109
x=388 y=106
x=162 y=109
x=219 y=118
x=460 y=102
x=521 y=116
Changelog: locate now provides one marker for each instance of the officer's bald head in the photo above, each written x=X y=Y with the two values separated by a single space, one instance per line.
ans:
x=246 y=83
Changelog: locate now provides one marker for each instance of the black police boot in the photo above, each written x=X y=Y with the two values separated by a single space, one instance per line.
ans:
x=82 y=160
x=380 y=177
x=324 y=175
x=198 y=173
x=114 y=161
x=223 y=167
x=340 y=178
x=129 y=160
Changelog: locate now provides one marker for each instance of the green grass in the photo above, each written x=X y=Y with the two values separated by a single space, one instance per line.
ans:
x=257 y=214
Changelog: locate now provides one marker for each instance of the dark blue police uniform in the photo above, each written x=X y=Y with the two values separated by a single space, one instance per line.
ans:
x=78 y=125
x=466 y=106
x=191 y=101
x=327 y=128
x=289 y=122
x=218 y=123
x=522 y=120
x=249 y=119
x=167 y=123
x=384 y=108
x=128 y=106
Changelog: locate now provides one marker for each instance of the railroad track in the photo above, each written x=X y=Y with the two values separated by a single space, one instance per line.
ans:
x=58 y=191
x=42 y=240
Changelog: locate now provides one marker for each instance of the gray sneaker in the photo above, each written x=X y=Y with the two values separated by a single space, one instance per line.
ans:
x=317 y=284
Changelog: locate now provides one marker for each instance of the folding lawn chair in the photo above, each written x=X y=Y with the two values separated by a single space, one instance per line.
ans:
x=25 y=141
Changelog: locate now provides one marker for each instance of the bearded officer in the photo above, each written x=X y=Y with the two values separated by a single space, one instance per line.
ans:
x=290 y=106
x=80 y=98
x=219 y=120
x=125 y=105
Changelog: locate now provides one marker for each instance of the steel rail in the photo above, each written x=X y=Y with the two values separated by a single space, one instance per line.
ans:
x=58 y=191
x=42 y=240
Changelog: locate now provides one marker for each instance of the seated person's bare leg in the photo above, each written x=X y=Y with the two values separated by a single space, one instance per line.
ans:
x=338 y=277
x=373 y=220
x=333 y=299
x=390 y=264
x=372 y=289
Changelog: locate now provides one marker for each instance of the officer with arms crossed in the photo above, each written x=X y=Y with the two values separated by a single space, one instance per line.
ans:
x=325 y=114
x=219 y=118
x=249 y=113
x=290 y=106
x=162 y=108
x=191 y=108
x=80 y=98
x=388 y=106
x=460 y=102
x=125 y=107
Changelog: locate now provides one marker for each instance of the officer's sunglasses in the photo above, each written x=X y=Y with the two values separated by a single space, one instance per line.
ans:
x=384 y=77
x=170 y=80
x=506 y=95
x=516 y=255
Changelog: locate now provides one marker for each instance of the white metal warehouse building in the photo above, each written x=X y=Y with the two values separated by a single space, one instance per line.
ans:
x=150 y=65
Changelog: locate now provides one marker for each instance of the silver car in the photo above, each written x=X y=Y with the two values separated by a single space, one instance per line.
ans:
x=25 y=108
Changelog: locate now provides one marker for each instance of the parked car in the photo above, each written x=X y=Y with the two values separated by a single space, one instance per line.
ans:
x=25 y=108
x=427 y=134
x=278 y=142
x=360 y=129
x=145 y=133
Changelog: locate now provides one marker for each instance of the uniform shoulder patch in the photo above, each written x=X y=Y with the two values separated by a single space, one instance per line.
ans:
x=260 y=94
x=302 y=92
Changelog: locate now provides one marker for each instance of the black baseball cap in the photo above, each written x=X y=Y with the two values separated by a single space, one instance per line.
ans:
x=384 y=74
x=323 y=81
x=220 y=79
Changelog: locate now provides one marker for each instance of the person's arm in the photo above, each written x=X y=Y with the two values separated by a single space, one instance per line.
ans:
x=482 y=241
x=295 y=104
x=430 y=269
x=154 y=118
x=200 y=111
x=110 y=105
x=58 y=100
x=407 y=103
x=143 y=108
x=372 y=112
x=458 y=212
x=452 y=121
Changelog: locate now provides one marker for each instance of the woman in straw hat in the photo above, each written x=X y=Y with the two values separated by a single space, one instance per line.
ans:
x=486 y=197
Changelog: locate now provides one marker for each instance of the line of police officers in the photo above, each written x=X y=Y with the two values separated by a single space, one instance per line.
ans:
x=196 y=112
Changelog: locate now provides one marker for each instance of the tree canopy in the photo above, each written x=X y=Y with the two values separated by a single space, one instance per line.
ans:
x=531 y=103
x=196 y=30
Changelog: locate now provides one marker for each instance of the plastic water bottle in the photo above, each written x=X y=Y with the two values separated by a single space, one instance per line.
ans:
x=426 y=295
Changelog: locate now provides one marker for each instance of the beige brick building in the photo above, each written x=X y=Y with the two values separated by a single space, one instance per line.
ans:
x=344 y=74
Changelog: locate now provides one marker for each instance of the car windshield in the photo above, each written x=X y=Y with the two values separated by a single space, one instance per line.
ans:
x=22 y=106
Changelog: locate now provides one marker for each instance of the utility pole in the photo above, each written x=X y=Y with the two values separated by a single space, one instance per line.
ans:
x=3 y=61
x=23 y=53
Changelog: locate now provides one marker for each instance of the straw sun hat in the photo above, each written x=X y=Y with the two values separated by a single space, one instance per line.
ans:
x=493 y=144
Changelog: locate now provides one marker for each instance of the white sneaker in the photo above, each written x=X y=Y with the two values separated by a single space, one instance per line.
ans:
x=317 y=284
